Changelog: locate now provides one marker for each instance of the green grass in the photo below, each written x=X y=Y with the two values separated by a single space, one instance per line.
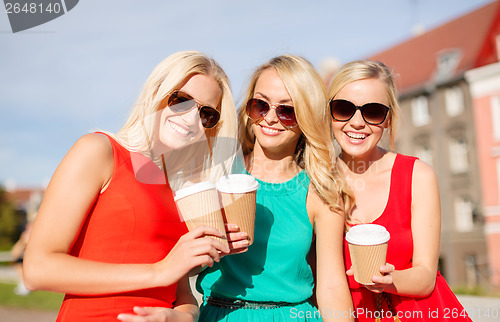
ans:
x=40 y=300
x=465 y=290
x=476 y=290
x=5 y=246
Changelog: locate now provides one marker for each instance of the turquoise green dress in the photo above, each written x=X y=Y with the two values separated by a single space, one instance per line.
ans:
x=275 y=267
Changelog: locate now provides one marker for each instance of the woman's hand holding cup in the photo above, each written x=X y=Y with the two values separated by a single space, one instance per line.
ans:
x=238 y=240
x=192 y=250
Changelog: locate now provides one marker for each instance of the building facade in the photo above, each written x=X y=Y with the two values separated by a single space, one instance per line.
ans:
x=485 y=90
x=438 y=75
x=437 y=128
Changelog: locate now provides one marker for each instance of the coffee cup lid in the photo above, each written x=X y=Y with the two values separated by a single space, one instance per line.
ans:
x=195 y=188
x=237 y=183
x=367 y=234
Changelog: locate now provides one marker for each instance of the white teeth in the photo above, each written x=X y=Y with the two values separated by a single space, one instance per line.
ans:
x=270 y=131
x=358 y=136
x=179 y=129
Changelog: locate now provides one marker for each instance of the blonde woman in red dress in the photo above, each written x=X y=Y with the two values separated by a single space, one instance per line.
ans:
x=108 y=233
x=393 y=190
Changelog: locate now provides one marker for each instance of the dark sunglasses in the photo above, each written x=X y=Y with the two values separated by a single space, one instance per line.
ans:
x=372 y=113
x=180 y=103
x=257 y=109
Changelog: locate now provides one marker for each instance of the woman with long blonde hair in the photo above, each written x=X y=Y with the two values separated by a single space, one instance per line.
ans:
x=393 y=190
x=108 y=233
x=287 y=143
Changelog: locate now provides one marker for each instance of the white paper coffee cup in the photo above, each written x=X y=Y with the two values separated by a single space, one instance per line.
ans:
x=238 y=196
x=368 y=248
x=199 y=205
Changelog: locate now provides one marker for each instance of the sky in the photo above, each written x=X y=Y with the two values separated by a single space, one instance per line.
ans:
x=84 y=70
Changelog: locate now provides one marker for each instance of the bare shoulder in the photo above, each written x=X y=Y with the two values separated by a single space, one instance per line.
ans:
x=94 y=141
x=93 y=148
x=91 y=155
x=313 y=201
x=317 y=207
x=423 y=173
x=425 y=187
x=312 y=195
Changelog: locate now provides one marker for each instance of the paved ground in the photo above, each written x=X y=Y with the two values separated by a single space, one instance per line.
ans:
x=480 y=309
x=20 y=315
x=8 y=314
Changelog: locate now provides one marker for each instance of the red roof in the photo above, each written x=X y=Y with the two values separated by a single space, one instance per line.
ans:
x=21 y=195
x=415 y=61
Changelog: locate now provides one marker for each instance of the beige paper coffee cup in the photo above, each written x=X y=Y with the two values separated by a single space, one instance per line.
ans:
x=368 y=248
x=238 y=197
x=199 y=205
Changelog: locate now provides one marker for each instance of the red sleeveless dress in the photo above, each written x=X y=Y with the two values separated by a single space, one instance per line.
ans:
x=441 y=304
x=130 y=222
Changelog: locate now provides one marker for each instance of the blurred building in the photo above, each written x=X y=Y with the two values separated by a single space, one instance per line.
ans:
x=449 y=86
x=26 y=201
x=485 y=92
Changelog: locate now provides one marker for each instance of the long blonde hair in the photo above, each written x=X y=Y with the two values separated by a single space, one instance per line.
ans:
x=137 y=134
x=366 y=69
x=314 y=151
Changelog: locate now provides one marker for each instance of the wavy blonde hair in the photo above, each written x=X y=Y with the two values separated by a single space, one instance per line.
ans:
x=138 y=133
x=314 y=151
x=367 y=69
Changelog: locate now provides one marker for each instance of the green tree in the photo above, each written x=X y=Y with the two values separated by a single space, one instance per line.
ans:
x=9 y=221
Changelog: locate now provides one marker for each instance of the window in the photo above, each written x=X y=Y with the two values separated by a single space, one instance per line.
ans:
x=447 y=63
x=420 y=111
x=424 y=153
x=495 y=117
x=455 y=102
x=459 y=162
x=464 y=220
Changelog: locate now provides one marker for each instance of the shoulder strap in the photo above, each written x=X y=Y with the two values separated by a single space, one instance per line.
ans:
x=403 y=170
x=401 y=181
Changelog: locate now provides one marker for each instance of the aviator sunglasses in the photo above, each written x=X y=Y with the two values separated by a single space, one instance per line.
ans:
x=257 y=109
x=180 y=103
x=372 y=113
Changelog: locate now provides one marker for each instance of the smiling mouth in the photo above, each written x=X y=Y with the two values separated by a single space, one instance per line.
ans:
x=269 y=130
x=356 y=136
x=177 y=128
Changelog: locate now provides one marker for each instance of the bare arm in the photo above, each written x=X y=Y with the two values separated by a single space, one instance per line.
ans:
x=419 y=280
x=332 y=291
x=185 y=301
x=82 y=174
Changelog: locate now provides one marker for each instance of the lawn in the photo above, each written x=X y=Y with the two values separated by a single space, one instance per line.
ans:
x=36 y=300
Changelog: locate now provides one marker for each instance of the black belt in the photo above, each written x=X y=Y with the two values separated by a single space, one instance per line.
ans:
x=234 y=304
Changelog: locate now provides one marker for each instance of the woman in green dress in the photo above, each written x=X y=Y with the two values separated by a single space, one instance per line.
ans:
x=285 y=136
